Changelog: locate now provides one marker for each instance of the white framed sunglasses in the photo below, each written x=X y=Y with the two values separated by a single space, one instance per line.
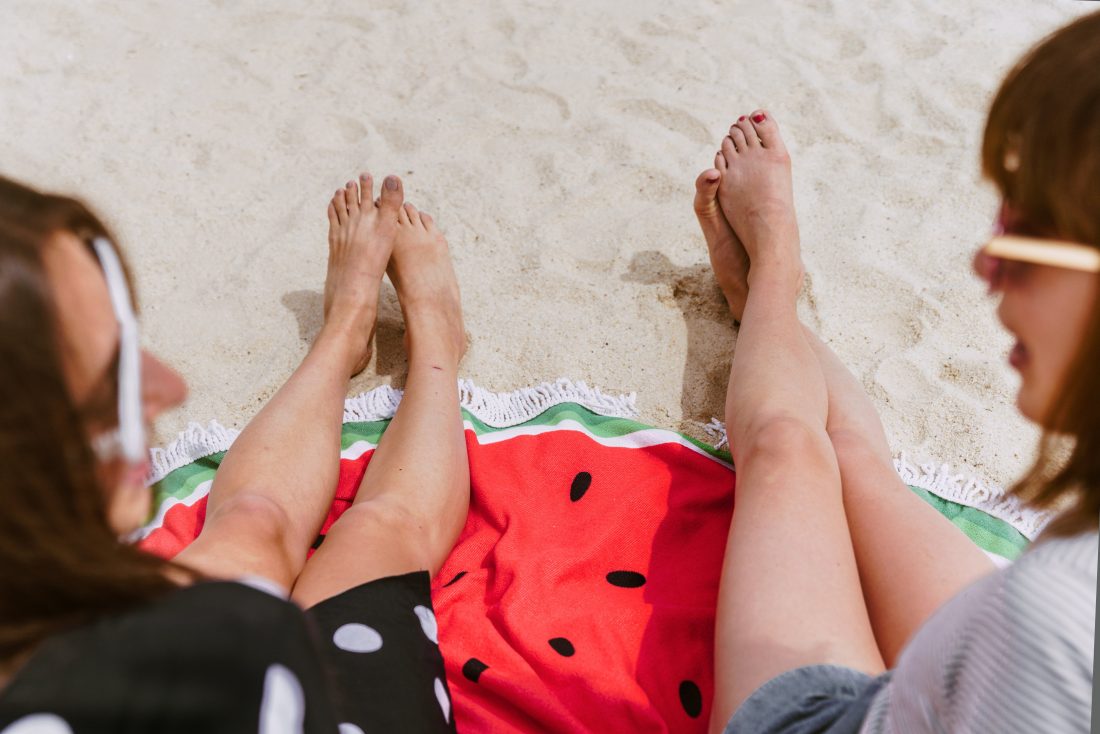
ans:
x=128 y=440
x=1039 y=251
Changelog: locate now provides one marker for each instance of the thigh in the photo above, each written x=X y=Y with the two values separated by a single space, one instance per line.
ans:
x=790 y=593
x=911 y=558
x=371 y=540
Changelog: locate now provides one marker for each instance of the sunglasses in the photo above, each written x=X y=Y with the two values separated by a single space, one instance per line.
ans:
x=1055 y=253
x=128 y=440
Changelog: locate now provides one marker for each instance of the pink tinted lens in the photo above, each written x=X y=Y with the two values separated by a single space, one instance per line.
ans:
x=988 y=268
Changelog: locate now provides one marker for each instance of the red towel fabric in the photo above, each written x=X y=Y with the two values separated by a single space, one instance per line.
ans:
x=580 y=596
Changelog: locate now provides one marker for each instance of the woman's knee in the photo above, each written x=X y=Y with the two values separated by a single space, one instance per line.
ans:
x=424 y=540
x=259 y=518
x=784 y=437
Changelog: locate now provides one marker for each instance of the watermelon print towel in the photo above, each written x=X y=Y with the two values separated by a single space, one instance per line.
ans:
x=581 y=594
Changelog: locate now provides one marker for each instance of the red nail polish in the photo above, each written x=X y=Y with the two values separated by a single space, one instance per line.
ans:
x=741 y=118
x=758 y=118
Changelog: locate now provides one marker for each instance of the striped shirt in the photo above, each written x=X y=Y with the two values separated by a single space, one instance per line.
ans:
x=1011 y=653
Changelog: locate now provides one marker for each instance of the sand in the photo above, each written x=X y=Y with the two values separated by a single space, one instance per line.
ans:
x=556 y=144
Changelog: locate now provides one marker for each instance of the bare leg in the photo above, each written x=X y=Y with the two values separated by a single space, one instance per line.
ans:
x=413 y=501
x=274 y=486
x=789 y=549
x=911 y=559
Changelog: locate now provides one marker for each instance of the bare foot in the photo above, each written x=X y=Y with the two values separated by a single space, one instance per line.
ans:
x=427 y=288
x=728 y=258
x=361 y=235
x=757 y=198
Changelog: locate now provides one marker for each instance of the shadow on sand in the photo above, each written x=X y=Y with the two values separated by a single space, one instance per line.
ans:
x=710 y=331
x=389 y=349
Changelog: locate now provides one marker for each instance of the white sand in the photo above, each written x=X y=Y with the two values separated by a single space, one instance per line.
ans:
x=556 y=143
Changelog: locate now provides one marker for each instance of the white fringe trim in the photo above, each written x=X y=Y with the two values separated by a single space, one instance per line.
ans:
x=973 y=491
x=499 y=410
x=196 y=442
x=716 y=429
x=942 y=481
x=377 y=405
x=506 y=409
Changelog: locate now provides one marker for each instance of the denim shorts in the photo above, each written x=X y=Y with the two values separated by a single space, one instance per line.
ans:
x=817 y=699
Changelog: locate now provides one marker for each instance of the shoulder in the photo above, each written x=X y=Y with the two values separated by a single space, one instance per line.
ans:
x=201 y=654
x=230 y=603
x=1014 y=650
x=1048 y=600
x=1075 y=554
x=207 y=618
x=1033 y=669
x=1052 y=584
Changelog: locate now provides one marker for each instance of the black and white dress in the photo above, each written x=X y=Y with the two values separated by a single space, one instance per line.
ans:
x=228 y=657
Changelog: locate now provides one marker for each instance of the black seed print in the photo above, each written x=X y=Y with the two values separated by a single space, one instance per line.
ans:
x=474 y=668
x=691 y=698
x=317 y=543
x=458 y=576
x=562 y=646
x=626 y=579
x=580 y=485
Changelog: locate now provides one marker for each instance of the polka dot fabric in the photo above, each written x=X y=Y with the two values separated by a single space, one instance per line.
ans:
x=217 y=657
x=385 y=670
x=581 y=593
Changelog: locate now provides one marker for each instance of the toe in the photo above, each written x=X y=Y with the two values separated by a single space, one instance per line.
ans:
x=767 y=130
x=366 y=189
x=351 y=192
x=412 y=214
x=403 y=214
x=427 y=221
x=392 y=194
x=728 y=149
x=720 y=162
x=706 y=191
x=333 y=220
x=340 y=202
x=738 y=138
x=752 y=140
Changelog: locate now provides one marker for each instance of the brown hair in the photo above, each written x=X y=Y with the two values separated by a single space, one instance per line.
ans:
x=1042 y=149
x=61 y=564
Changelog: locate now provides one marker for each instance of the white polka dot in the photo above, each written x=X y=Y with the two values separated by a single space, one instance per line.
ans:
x=283 y=707
x=39 y=724
x=349 y=729
x=444 y=701
x=357 y=638
x=427 y=623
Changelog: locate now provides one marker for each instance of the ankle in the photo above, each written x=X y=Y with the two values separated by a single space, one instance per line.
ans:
x=440 y=348
x=347 y=314
x=776 y=274
x=343 y=341
x=437 y=363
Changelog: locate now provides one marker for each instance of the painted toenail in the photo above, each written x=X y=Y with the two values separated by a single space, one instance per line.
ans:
x=758 y=118
x=391 y=183
x=741 y=118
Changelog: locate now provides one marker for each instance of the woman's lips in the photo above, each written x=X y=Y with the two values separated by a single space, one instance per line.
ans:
x=1018 y=357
